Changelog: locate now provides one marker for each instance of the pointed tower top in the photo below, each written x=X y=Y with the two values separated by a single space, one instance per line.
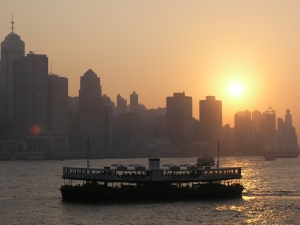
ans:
x=12 y=23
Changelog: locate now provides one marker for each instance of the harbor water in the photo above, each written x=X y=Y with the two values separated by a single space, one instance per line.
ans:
x=29 y=194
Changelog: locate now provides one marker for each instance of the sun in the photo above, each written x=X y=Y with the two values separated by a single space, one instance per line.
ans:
x=236 y=89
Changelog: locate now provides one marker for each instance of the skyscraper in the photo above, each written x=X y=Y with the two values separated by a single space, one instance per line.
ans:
x=11 y=48
x=31 y=108
x=242 y=129
x=134 y=102
x=121 y=105
x=91 y=112
x=269 y=128
x=210 y=115
x=58 y=100
x=286 y=134
x=180 y=123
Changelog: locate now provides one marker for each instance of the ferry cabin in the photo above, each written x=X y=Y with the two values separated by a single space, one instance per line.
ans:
x=168 y=174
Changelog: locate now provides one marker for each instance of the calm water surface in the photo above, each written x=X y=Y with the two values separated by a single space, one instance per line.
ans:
x=29 y=194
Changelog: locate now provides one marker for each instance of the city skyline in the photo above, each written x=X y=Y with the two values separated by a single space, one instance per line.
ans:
x=198 y=48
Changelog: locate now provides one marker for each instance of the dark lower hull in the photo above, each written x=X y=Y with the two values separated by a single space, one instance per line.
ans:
x=103 y=193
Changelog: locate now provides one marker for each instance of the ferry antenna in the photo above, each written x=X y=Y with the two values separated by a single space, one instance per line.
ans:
x=87 y=153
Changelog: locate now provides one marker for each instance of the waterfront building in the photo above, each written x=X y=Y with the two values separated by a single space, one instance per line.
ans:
x=58 y=100
x=11 y=48
x=243 y=129
x=269 y=129
x=134 y=102
x=31 y=108
x=128 y=132
x=286 y=138
x=121 y=105
x=91 y=112
x=73 y=104
x=257 y=129
x=210 y=115
x=180 y=123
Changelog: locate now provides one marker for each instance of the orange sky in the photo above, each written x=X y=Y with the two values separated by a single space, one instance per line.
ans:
x=159 y=47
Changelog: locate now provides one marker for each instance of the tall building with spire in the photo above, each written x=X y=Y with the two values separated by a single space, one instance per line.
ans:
x=11 y=48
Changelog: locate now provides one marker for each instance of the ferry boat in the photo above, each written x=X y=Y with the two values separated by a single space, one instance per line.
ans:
x=138 y=182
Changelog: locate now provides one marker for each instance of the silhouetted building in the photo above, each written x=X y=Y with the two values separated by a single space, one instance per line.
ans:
x=121 y=105
x=242 y=130
x=257 y=129
x=128 y=131
x=180 y=123
x=91 y=112
x=269 y=129
x=134 y=102
x=108 y=102
x=31 y=91
x=73 y=124
x=286 y=139
x=11 y=48
x=58 y=108
x=210 y=115
x=73 y=104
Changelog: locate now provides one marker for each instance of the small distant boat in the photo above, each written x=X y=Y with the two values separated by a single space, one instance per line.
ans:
x=281 y=154
x=270 y=159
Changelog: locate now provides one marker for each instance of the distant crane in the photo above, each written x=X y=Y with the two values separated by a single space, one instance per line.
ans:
x=31 y=52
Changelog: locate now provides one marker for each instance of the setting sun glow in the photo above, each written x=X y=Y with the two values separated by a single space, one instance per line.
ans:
x=235 y=89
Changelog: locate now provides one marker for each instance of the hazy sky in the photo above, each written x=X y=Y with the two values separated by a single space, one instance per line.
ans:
x=159 y=47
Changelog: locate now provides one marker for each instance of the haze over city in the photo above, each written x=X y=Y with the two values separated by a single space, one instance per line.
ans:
x=157 y=48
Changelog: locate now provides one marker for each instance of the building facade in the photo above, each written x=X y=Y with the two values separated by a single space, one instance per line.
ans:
x=11 y=48
x=31 y=108
x=179 y=120
x=134 y=102
x=91 y=112
x=121 y=105
x=58 y=100
x=210 y=115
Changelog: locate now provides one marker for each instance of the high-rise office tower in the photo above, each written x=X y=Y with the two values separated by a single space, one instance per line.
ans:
x=31 y=108
x=128 y=131
x=180 y=123
x=269 y=128
x=134 y=102
x=11 y=48
x=91 y=112
x=291 y=137
x=58 y=100
x=121 y=105
x=257 y=130
x=242 y=129
x=210 y=115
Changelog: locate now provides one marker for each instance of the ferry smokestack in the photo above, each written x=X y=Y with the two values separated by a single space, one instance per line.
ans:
x=154 y=163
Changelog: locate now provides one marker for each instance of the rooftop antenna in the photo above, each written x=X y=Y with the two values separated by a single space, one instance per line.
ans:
x=51 y=67
x=31 y=52
x=12 y=23
x=87 y=154
x=218 y=163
